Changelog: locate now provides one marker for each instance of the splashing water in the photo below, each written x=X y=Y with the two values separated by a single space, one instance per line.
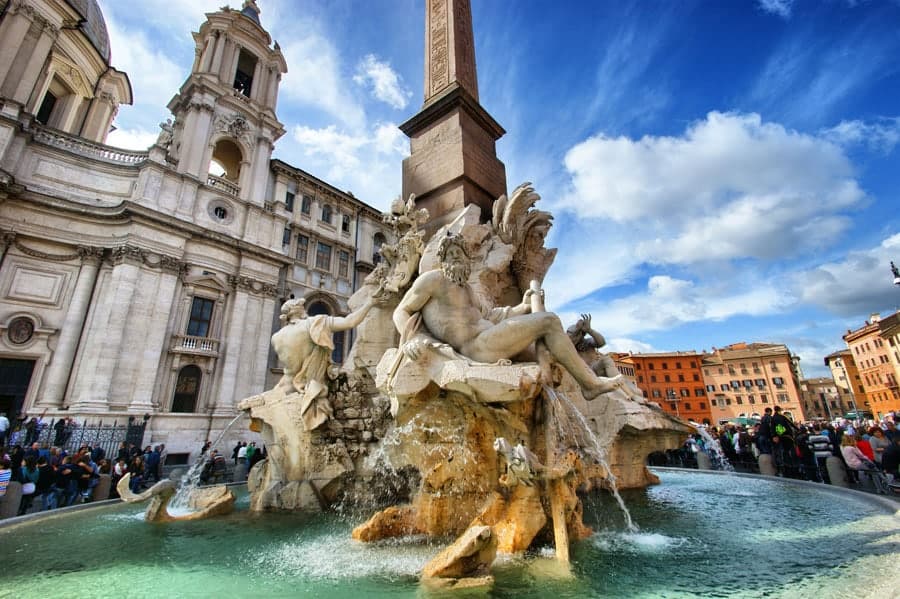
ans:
x=714 y=450
x=573 y=426
x=180 y=503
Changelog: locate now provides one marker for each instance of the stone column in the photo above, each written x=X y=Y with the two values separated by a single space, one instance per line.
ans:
x=256 y=90
x=33 y=67
x=57 y=376
x=207 y=55
x=13 y=28
x=218 y=52
x=222 y=394
x=101 y=359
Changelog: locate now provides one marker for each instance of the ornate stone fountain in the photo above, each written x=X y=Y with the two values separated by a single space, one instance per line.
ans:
x=478 y=393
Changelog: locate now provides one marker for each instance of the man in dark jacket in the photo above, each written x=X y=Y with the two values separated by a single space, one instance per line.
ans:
x=783 y=440
x=890 y=460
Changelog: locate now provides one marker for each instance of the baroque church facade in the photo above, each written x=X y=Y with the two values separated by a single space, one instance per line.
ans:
x=138 y=283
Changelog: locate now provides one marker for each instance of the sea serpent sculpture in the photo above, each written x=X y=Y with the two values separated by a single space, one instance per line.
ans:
x=205 y=501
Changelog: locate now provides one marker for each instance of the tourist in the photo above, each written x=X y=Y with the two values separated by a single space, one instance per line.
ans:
x=151 y=465
x=242 y=453
x=857 y=460
x=4 y=428
x=46 y=478
x=235 y=451
x=205 y=447
x=878 y=442
x=88 y=476
x=251 y=449
x=864 y=446
x=97 y=452
x=258 y=456
x=891 y=432
x=764 y=433
x=783 y=443
x=137 y=474
x=5 y=475
x=66 y=485
x=890 y=460
x=118 y=471
x=59 y=430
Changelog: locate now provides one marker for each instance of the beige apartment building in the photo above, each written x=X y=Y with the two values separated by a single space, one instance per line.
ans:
x=743 y=379
x=847 y=380
x=138 y=283
x=873 y=347
x=821 y=399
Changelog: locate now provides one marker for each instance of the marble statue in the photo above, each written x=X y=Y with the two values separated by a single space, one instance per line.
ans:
x=304 y=345
x=588 y=342
x=205 y=502
x=440 y=305
x=166 y=134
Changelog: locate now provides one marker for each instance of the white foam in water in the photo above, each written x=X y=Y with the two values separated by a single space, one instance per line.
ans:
x=336 y=556
x=637 y=542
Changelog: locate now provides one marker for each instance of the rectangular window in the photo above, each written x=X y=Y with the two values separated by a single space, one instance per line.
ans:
x=289 y=201
x=760 y=382
x=764 y=398
x=650 y=366
x=739 y=400
x=747 y=383
x=668 y=378
x=665 y=365
x=655 y=393
x=687 y=406
x=302 y=249
x=778 y=381
x=735 y=384
x=681 y=378
x=305 y=204
x=699 y=392
x=323 y=256
x=751 y=399
x=652 y=378
x=710 y=387
x=725 y=387
x=696 y=377
x=201 y=316
x=677 y=365
x=286 y=237
x=343 y=264
x=640 y=378
x=693 y=364
x=345 y=223
x=46 y=109
x=326 y=213
x=685 y=392
x=712 y=402
x=727 y=401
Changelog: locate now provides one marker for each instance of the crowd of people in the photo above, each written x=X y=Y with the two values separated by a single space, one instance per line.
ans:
x=869 y=450
x=54 y=477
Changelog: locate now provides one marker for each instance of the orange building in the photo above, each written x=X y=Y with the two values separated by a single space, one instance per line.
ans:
x=743 y=379
x=890 y=332
x=673 y=380
x=874 y=357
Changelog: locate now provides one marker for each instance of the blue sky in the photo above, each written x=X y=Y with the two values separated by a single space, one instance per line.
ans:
x=719 y=171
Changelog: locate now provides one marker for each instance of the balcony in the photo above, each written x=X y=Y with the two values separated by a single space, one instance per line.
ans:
x=83 y=147
x=223 y=185
x=196 y=346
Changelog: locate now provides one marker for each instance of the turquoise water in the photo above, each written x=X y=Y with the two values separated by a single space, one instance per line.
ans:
x=701 y=535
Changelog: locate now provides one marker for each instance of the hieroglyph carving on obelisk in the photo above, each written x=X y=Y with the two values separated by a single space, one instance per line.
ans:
x=450 y=47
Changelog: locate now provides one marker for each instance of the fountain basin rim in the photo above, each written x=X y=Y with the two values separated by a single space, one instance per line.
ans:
x=64 y=511
x=885 y=502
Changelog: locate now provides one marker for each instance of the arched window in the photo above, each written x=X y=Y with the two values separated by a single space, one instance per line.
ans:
x=187 y=389
x=337 y=356
x=226 y=160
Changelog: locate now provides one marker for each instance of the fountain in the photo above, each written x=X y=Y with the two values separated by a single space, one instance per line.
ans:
x=466 y=443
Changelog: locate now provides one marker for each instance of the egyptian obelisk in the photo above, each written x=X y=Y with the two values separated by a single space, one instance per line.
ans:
x=453 y=159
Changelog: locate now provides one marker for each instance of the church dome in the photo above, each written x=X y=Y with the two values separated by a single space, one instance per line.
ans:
x=92 y=25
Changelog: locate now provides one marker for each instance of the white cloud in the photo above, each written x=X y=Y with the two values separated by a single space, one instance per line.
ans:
x=669 y=302
x=132 y=139
x=859 y=284
x=365 y=163
x=384 y=83
x=880 y=136
x=155 y=78
x=781 y=8
x=731 y=186
x=314 y=78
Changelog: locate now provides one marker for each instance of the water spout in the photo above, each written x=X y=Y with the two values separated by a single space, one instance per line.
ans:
x=573 y=426
x=180 y=503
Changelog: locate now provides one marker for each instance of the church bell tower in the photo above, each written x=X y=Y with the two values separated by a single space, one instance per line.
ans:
x=225 y=124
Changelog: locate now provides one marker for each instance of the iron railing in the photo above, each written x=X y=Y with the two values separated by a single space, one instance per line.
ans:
x=73 y=436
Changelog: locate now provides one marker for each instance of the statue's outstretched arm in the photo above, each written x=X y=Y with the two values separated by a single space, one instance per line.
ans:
x=352 y=320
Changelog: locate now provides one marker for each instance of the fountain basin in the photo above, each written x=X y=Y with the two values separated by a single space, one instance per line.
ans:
x=701 y=534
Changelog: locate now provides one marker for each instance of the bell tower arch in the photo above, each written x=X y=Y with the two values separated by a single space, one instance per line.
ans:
x=225 y=123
